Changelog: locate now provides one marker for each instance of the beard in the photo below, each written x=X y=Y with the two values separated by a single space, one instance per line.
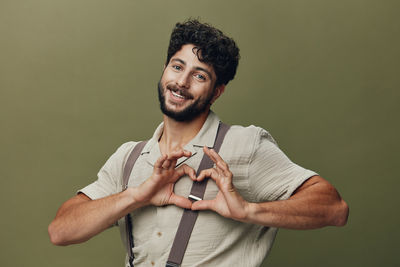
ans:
x=189 y=113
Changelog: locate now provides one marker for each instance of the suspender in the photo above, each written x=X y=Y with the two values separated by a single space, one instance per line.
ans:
x=128 y=220
x=189 y=217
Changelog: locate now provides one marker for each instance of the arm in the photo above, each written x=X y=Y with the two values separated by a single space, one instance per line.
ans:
x=314 y=204
x=80 y=218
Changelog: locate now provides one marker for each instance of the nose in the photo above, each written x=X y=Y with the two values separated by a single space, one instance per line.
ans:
x=183 y=80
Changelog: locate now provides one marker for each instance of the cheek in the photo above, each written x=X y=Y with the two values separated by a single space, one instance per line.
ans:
x=168 y=74
x=165 y=76
x=204 y=90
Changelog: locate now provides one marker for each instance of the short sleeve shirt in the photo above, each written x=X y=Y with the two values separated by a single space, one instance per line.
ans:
x=261 y=172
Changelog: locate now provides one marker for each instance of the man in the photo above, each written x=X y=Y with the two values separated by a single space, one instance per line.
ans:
x=253 y=187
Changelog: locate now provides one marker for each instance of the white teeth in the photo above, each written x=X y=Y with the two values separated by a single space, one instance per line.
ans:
x=175 y=94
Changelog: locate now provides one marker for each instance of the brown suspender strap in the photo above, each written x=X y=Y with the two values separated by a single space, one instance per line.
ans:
x=130 y=162
x=189 y=216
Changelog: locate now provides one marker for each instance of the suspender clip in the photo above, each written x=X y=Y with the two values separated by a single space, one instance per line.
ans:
x=194 y=198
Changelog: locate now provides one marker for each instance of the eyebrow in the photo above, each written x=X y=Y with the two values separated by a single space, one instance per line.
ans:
x=196 y=68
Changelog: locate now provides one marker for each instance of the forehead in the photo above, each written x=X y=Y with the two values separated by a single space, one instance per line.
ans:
x=188 y=54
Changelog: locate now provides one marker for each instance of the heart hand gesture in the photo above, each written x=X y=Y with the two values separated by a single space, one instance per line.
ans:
x=228 y=202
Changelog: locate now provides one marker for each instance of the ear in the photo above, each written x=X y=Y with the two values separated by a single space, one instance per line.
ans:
x=218 y=91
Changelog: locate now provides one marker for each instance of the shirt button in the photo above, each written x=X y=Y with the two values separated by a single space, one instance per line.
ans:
x=159 y=234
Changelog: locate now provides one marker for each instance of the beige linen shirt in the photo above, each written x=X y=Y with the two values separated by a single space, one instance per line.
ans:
x=261 y=172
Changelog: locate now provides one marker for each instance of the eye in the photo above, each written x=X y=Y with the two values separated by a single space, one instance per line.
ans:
x=176 y=67
x=200 y=76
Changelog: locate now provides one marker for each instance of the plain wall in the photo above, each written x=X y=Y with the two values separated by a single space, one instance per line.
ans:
x=78 y=78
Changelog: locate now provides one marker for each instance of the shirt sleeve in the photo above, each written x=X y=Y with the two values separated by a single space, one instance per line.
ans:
x=272 y=175
x=109 y=178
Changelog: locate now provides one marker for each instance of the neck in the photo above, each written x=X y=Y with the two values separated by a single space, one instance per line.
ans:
x=177 y=134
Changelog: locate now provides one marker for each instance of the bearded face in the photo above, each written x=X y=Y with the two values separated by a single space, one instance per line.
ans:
x=185 y=112
x=187 y=87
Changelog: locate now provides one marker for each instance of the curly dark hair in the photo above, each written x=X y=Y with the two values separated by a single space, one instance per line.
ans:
x=212 y=47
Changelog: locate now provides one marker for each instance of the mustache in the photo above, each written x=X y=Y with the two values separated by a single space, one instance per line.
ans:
x=177 y=90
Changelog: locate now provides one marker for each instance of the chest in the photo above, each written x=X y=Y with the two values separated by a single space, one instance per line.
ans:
x=143 y=170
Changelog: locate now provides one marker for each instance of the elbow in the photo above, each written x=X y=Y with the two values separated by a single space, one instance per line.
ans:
x=56 y=235
x=341 y=214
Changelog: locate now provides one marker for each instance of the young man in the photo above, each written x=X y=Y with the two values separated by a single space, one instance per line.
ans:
x=253 y=187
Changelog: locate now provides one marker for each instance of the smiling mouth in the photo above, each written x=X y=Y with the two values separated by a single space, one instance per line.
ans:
x=178 y=93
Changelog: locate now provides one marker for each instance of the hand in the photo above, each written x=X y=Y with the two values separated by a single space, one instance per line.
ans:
x=228 y=202
x=158 y=190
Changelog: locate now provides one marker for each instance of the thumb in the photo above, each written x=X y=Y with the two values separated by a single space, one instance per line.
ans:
x=180 y=201
x=203 y=205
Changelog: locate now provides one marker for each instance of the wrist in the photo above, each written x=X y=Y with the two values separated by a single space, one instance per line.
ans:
x=251 y=211
x=134 y=198
x=244 y=213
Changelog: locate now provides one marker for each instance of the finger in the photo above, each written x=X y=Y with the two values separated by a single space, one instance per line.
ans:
x=203 y=205
x=166 y=164
x=189 y=171
x=178 y=154
x=171 y=160
x=219 y=162
x=185 y=169
x=208 y=152
x=180 y=201
x=174 y=156
x=160 y=162
x=187 y=153
x=223 y=167
x=212 y=154
x=212 y=173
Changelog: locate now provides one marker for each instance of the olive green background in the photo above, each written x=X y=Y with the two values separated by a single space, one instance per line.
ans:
x=78 y=78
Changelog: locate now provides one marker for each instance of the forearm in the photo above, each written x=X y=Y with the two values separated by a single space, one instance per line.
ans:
x=316 y=204
x=80 y=218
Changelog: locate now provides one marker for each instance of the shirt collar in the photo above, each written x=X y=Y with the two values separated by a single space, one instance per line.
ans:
x=205 y=137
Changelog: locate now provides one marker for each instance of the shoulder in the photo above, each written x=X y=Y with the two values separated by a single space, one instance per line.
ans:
x=122 y=153
x=244 y=140
x=249 y=134
x=127 y=147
